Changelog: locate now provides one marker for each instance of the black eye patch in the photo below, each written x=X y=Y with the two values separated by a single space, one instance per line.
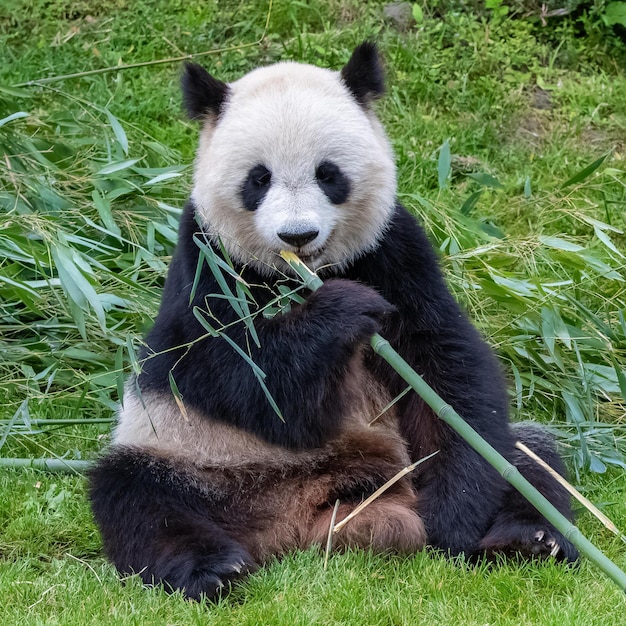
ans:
x=333 y=182
x=255 y=187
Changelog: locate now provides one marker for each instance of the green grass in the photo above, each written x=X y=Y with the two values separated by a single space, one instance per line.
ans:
x=85 y=237
x=51 y=572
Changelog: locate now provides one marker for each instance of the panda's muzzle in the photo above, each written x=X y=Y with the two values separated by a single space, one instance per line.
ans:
x=298 y=240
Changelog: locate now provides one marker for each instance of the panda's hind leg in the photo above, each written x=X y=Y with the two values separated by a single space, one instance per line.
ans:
x=157 y=524
x=518 y=527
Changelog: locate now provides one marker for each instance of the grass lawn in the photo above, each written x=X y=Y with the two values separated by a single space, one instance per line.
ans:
x=511 y=147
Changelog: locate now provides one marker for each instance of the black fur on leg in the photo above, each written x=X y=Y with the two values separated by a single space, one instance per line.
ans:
x=459 y=492
x=154 y=523
x=519 y=527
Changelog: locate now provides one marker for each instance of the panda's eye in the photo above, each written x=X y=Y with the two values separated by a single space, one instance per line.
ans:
x=264 y=179
x=325 y=173
x=333 y=182
x=255 y=187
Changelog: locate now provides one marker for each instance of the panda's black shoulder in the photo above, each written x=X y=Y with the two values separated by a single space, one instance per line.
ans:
x=405 y=263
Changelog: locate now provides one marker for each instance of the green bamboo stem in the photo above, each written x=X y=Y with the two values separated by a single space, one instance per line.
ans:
x=49 y=465
x=63 y=422
x=445 y=412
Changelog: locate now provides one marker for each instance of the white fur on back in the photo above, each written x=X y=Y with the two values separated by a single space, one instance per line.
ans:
x=290 y=118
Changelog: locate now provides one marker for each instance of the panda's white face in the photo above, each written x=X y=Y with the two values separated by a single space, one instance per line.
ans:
x=294 y=162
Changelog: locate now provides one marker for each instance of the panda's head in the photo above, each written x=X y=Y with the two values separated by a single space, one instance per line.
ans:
x=292 y=157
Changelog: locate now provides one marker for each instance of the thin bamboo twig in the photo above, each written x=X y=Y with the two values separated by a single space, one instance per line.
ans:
x=590 y=506
x=445 y=412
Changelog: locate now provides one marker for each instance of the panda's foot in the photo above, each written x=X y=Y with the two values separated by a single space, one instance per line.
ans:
x=529 y=540
x=198 y=576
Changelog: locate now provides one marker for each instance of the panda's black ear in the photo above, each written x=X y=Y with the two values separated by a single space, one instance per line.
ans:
x=202 y=94
x=363 y=74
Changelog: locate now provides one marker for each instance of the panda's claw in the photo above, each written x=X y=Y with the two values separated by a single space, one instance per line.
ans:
x=555 y=548
x=238 y=566
x=528 y=541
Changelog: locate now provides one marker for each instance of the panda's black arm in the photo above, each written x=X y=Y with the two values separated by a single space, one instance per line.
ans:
x=305 y=356
x=460 y=492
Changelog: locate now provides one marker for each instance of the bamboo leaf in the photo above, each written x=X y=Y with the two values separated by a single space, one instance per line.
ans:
x=169 y=233
x=584 y=173
x=621 y=377
x=119 y=370
x=119 y=132
x=20 y=286
x=196 y=278
x=216 y=265
x=22 y=412
x=14 y=116
x=74 y=283
x=130 y=350
x=471 y=202
x=15 y=92
x=178 y=398
x=606 y=240
x=117 y=167
x=444 y=165
x=486 y=180
x=103 y=207
x=527 y=188
x=161 y=178
x=560 y=244
x=247 y=319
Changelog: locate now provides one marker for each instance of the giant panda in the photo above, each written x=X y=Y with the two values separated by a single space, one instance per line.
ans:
x=202 y=486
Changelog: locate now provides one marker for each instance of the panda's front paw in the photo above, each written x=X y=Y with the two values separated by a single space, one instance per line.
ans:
x=353 y=309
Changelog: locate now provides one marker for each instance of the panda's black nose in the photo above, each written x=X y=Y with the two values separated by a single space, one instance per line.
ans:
x=299 y=239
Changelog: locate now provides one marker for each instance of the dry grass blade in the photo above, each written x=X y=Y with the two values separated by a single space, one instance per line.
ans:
x=391 y=404
x=573 y=491
x=331 y=530
x=379 y=492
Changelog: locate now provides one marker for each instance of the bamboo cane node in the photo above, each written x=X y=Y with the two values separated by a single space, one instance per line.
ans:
x=444 y=411
x=572 y=532
x=378 y=342
x=509 y=471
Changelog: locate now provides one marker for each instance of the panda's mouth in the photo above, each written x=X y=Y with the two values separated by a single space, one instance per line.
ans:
x=310 y=257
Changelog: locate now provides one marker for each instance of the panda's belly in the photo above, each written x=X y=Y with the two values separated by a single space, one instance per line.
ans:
x=157 y=424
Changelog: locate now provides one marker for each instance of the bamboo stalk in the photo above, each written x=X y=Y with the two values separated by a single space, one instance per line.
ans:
x=445 y=412
x=49 y=465
x=64 y=422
